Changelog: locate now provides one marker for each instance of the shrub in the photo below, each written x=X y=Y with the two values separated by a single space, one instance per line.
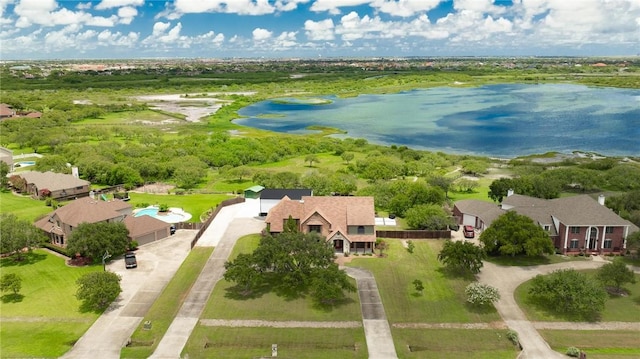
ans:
x=481 y=294
x=47 y=202
x=410 y=246
x=163 y=207
x=133 y=245
x=512 y=335
x=573 y=352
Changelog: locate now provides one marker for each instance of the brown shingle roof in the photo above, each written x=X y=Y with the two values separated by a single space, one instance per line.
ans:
x=90 y=210
x=139 y=226
x=584 y=210
x=52 y=181
x=486 y=211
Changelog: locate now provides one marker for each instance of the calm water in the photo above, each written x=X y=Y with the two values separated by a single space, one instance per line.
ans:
x=496 y=120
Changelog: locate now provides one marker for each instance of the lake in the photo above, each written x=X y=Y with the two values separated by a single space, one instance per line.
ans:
x=505 y=120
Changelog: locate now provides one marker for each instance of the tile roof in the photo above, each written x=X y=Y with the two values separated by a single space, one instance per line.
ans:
x=52 y=181
x=339 y=211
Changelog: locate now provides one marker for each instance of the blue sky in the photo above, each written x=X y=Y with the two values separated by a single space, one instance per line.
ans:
x=62 y=29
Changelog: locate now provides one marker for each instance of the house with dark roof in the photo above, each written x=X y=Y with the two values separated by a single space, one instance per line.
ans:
x=59 y=224
x=574 y=224
x=59 y=185
x=269 y=197
x=347 y=222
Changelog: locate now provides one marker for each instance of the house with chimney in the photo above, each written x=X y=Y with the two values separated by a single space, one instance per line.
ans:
x=346 y=222
x=578 y=224
x=59 y=224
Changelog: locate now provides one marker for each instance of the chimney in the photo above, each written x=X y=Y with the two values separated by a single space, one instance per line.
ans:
x=74 y=172
x=510 y=192
x=601 y=199
x=92 y=194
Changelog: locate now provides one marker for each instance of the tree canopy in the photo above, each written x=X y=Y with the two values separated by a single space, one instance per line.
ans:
x=18 y=234
x=615 y=275
x=293 y=264
x=427 y=216
x=97 y=290
x=94 y=239
x=462 y=256
x=569 y=291
x=514 y=234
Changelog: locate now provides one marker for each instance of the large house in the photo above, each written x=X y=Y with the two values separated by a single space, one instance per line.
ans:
x=59 y=224
x=348 y=222
x=574 y=224
x=59 y=185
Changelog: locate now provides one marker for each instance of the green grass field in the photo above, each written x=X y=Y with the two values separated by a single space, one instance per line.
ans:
x=443 y=299
x=165 y=308
x=447 y=343
x=47 y=311
x=597 y=344
x=617 y=309
x=23 y=207
x=196 y=204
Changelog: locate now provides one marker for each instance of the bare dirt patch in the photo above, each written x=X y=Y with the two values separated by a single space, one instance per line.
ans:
x=155 y=188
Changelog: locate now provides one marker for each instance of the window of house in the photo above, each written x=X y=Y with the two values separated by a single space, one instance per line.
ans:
x=574 y=229
x=547 y=227
x=360 y=229
x=608 y=243
x=574 y=244
x=79 y=187
x=315 y=228
x=608 y=230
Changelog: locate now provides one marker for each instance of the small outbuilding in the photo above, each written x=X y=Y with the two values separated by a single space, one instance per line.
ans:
x=253 y=192
x=271 y=196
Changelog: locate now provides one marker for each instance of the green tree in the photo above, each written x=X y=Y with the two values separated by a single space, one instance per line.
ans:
x=461 y=257
x=427 y=216
x=616 y=274
x=381 y=246
x=481 y=294
x=442 y=182
x=243 y=272
x=97 y=290
x=569 y=291
x=11 y=282
x=239 y=172
x=347 y=156
x=290 y=226
x=4 y=180
x=18 y=234
x=514 y=234
x=498 y=189
x=92 y=240
x=329 y=284
x=466 y=185
x=311 y=158
x=633 y=242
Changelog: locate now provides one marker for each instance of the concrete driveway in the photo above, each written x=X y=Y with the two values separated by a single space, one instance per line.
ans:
x=157 y=263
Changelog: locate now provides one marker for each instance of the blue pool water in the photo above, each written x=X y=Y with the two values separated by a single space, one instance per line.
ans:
x=169 y=217
x=504 y=120
x=24 y=163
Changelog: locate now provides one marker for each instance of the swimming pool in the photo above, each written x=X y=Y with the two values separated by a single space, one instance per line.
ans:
x=175 y=215
x=24 y=163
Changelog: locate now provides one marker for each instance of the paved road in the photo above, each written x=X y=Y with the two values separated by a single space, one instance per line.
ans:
x=174 y=340
x=157 y=263
x=376 y=327
x=506 y=280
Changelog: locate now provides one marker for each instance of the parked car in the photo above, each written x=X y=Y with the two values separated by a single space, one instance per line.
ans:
x=468 y=232
x=130 y=260
x=454 y=227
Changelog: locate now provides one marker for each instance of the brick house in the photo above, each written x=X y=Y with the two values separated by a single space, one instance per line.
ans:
x=59 y=224
x=60 y=185
x=575 y=224
x=348 y=222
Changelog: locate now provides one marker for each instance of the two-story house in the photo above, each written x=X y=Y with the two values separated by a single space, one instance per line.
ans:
x=348 y=222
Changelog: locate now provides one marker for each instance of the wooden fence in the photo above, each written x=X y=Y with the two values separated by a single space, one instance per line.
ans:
x=414 y=234
x=213 y=215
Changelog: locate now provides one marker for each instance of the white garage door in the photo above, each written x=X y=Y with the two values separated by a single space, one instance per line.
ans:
x=468 y=220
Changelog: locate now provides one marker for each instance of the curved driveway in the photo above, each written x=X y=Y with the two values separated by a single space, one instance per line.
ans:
x=506 y=280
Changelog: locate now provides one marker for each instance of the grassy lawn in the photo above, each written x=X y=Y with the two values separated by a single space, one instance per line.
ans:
x=24 y=207
x=446 y=343
x=31 y=325
x=598 y=344
x=165 y=308
x=617 y=309
x=196 y=204
x=523 y=261
x=224 y=304
x=241 y=343
x=443 y=299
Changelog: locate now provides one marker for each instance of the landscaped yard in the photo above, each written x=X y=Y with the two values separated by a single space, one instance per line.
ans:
x=47 y=312
x=196 y=204
x=24 y=207
x=598 y=344
x=443 y=299
x=165 y=308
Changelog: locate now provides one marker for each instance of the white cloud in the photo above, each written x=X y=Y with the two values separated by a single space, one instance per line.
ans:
x=333 y=6
x=84 y=6
x=159 y=27
x=260 y=34
x=242 y=7
x=289 y=5
x=404 y=8
x=48 y=13
x=108 y=4
x=127 y=14
x=319 y=30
